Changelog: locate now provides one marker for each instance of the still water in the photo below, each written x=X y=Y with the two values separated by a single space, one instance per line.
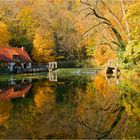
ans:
x=76 y=105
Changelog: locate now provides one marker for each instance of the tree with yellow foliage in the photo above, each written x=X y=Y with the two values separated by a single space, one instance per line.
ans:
x=89 y=46
x=132 y=53
x=102 y=54
x=43 y=47
x=4 y=34
x=26 y=22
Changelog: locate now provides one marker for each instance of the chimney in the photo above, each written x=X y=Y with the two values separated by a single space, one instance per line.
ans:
x=22 y=48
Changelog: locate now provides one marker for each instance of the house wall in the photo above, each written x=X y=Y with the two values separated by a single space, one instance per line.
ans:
x=10 y=66
x=28 y=65
x=22 y=64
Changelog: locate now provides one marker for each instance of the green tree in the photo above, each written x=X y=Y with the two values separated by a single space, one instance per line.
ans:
x=132 y=53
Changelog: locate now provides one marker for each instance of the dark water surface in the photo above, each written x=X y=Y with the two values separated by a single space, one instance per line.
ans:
x=78 y=105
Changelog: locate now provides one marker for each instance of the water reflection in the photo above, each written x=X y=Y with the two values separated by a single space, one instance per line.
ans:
x=72 y=107
x=52 y=76
x=19 y=88
x=113 y=78
x=15 y=89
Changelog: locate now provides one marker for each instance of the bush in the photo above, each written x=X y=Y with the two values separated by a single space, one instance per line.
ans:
x=76 y=64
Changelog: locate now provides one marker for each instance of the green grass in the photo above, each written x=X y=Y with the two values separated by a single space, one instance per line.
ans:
x=76 y=71
x=6 y=77
x=64 y=72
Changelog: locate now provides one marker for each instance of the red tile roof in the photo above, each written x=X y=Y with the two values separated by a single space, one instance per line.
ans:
x=6 y=54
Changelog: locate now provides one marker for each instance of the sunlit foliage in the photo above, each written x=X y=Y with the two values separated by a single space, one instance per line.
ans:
x=4 y=34
x=132 y=53
x=26 y=21
x=43 y=47
x=76 y=31
x=103 y=53
x=133 y=15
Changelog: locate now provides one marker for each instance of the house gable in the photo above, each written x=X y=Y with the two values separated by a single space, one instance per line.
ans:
x=11 y=54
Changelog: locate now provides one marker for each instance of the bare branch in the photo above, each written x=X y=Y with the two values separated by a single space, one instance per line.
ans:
x=126 y=21
x=101 y=17
x=114 y=16
x=92 y=28
x=85 y=2
x=106 y=21
x=83 y=10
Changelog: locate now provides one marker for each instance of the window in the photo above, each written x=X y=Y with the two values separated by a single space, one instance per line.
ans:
x=17 y=88
x=16 y=57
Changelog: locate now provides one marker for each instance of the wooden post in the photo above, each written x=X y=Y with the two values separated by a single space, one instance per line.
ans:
x=52 y=76
x=52 y=65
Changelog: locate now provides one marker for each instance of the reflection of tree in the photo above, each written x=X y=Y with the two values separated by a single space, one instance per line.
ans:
x=130 y=100
x=99 y=113
x=20 y=117
x=71 y=109
x=5 y=108
x=101 y=85
x=66 y=89
x=44 y=92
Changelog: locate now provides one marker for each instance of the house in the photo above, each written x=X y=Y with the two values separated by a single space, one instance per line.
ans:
x=14 y=59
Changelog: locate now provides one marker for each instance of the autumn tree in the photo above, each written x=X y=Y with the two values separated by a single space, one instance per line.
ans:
x=105 y=20
x=24 y=18
x=43 y=47
x=77 y=30
x=4 y=34
x=23 y=29
x=67 y=31
x=132 y=53
x=107 y=23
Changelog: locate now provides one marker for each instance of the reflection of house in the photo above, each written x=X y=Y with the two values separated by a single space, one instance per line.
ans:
x=14 y=91
x=15 y=59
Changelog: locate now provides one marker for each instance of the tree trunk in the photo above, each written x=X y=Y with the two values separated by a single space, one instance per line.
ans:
x=126 y=21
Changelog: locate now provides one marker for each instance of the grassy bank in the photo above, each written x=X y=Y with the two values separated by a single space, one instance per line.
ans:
x=82 y=72
x=60 y=73
x=6 y=77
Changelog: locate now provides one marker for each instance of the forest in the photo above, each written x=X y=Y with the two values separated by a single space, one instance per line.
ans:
x=77 y=100
x=86 y=32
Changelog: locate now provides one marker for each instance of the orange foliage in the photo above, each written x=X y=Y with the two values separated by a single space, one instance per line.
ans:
x=5 y=108
x=102 y=86
x=102 y=54
x=43 y=46
x=52 y=1
x=43 y=94
x=4 y=34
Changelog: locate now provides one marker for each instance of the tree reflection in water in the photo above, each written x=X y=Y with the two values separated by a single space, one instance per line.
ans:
x=72 y=107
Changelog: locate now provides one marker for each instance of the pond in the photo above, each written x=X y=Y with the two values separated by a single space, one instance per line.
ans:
x=76 y=103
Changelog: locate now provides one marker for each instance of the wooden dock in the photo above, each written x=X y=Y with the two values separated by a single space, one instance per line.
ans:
x=112 y=67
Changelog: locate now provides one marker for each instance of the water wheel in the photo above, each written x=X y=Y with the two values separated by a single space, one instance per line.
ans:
x=17 y=68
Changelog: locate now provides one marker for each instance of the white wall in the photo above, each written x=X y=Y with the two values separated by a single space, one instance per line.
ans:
x=10 y=66
x=28 y=65
x=22 y=64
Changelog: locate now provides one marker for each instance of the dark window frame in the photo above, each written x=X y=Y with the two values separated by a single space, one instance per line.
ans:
x=16 y=57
